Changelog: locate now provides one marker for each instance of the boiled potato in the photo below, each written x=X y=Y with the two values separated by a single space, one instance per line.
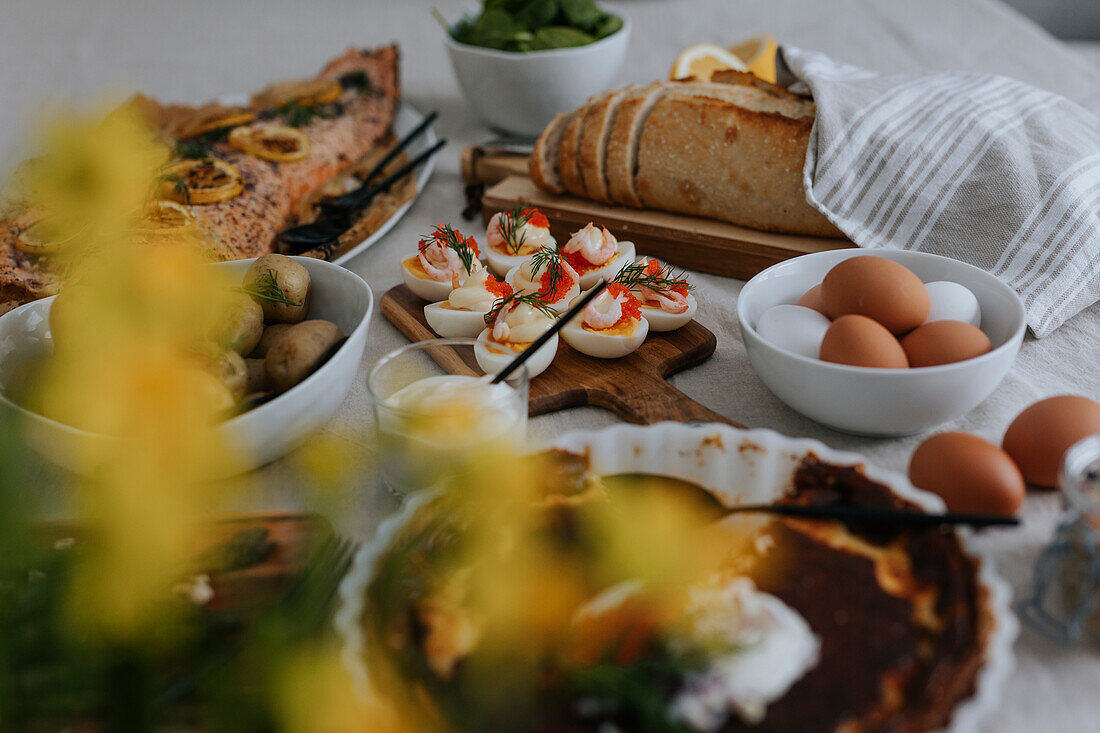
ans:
x=267 y=340
x=242 y=326
x=297 y=352
x=257 y=375
x=274 y=278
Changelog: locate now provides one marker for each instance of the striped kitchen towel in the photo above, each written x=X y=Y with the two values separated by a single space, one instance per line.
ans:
x=980 y=168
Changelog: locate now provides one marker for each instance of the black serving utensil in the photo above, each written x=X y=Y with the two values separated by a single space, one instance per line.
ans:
x=557 y=326
x=337 y=213
x=401 y=145
x=894 y=518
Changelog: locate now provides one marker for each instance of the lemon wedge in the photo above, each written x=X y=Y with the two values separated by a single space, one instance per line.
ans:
x=702 y=60
x=200 y=181
x=42 y=238
x=758 y=55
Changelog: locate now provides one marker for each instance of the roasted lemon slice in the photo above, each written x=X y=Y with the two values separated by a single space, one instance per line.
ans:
x=200 y=181
x=212 y=118
x=40 y=238
x=271 y=142
x=165 y=217
x=305 y=93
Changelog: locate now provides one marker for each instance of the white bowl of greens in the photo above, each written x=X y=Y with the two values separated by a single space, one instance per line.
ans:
x=521 y=62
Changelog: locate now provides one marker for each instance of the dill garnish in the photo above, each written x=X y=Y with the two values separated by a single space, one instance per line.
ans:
x=267 y=288
x=550 y=259
x=640 y=274
x=531 y=299
x=179 y=185
x=510 y=224
x=300 y=115
x=448 y=237
x=201 y=146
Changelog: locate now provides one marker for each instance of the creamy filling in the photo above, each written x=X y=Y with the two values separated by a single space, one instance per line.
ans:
x=521 y=324
x=472 y=295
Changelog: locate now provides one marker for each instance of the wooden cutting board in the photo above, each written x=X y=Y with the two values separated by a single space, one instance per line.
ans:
x=633 y=387
x=704 y=245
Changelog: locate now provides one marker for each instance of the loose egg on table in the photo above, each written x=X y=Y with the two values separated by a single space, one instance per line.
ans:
x=795 y=328
x=859 y=341
x=944 y=342
x=950 y=301
x=513 y=236
x=877 y=288
x=1040 y=435
x=493 y=356
x=596 y=254
x=609 y=327
x=970 y=474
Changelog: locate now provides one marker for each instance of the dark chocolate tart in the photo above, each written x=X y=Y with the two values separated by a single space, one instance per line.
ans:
x=913 y=625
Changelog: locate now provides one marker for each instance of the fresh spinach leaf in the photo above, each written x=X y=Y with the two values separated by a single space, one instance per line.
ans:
x=609 y=25
x=538 y=13
x=582 y=14
x=559 y=36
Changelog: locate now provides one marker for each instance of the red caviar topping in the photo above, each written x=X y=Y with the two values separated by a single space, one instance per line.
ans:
x=536 y=218
x=498 y=288
x=577 y=261
x=632 y=309
x=551 y=291
x=653 y=268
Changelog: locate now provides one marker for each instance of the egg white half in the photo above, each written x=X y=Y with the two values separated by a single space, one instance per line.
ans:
x=611 y=269
x=493 y=357
x=661 y=320
x=603 y=345
x=500 y=264
x=453 y=323
x=424 y=287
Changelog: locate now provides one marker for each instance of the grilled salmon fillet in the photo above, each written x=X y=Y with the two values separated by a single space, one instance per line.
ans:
x=247 y=224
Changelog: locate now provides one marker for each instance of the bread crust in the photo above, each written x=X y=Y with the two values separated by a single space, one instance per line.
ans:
x=706 y=156
x=620 y=160
x=543 y=163
x=595 y=132
x=569 y=167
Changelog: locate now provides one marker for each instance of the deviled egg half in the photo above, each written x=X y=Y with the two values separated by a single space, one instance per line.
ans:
x=444 y=260
x=462 y=314
x=513 y=236
x=609 y=327
x=665 y=294
x=595 y=254
x=513 y=325
x=547 y=274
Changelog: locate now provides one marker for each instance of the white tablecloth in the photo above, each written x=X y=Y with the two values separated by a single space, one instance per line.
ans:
x=57 y=50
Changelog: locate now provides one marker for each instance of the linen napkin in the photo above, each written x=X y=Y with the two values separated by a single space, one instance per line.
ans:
x=976 y=167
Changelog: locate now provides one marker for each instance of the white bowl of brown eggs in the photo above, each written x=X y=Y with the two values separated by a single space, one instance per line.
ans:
x=883 y=342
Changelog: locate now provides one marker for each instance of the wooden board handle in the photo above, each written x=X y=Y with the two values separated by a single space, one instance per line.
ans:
x=648 y=400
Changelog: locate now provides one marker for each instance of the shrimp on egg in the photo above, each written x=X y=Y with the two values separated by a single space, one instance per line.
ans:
x=514 y=235
x=609 y=327
x=444 y=260
x=595 y=254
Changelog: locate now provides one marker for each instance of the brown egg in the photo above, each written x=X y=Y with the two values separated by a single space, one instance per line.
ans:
x=812 y=299
x=970 y=474
x=1039 y=436
x=859 y=341
x=878 y=288
x=944 y=342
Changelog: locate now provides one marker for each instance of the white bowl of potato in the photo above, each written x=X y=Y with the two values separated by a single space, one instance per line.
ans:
x=307 y=395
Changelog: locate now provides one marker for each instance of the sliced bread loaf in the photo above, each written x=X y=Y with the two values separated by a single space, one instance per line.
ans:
x=569 y=158
x=595 y=133
x=622 y=143
x=543 y=163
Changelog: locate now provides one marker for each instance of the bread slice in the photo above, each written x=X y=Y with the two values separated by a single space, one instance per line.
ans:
x=569 y=159
x=595 y=133
x=543 y=163
x=622 y=142
x=730 y=152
